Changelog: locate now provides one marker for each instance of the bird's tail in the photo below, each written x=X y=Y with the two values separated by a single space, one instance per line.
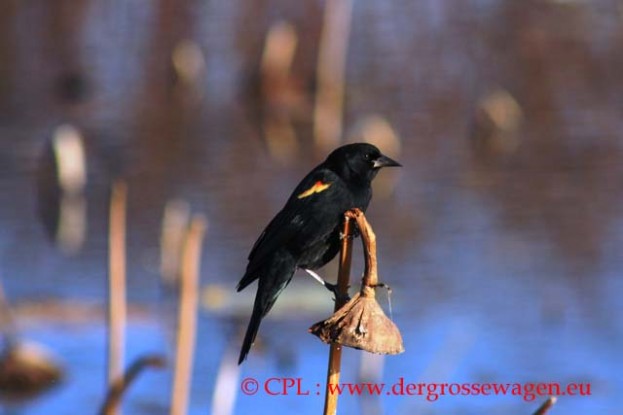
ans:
x=249 y=337
x=271 y=284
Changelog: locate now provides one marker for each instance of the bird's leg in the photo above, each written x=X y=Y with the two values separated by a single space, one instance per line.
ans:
x=327 y=285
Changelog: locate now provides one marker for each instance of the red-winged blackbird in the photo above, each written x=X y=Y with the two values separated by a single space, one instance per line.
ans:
x=306 y=232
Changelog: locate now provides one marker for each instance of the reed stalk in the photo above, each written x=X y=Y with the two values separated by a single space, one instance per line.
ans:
x=187 y=316
x=117 y=286
x=335 y=352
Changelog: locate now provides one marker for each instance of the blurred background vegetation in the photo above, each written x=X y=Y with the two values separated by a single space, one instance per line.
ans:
x=501 y=235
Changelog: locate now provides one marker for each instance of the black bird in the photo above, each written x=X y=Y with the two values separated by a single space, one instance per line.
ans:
x=306 y=232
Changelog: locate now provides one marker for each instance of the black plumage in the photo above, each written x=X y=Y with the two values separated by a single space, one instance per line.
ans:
x=306 y=232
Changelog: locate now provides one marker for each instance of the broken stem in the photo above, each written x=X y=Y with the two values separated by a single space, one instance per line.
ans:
x=546 y=406
x=121 y=384
x=335 y=353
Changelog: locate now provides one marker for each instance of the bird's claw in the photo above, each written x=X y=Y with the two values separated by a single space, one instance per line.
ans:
x=343 y=298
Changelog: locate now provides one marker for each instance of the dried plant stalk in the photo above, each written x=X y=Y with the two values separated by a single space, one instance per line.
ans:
x=546 y=406
x=335 y=352
x=187 y=316
x=331 y=70
x=121 y=384
x=117 y=285
x=361 y=323
x=368 y=239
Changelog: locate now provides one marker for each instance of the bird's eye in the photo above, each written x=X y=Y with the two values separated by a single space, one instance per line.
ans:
x=368 y=156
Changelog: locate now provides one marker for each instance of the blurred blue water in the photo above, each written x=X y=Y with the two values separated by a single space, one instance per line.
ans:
x=507 y=271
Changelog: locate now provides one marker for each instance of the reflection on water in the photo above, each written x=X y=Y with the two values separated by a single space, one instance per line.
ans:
x=502 y=245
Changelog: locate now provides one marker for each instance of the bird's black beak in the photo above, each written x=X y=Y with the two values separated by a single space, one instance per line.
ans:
x=385 y=161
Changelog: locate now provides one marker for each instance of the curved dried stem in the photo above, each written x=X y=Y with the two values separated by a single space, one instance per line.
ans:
x=361 y=323
x=368 y=240
x=122 y=383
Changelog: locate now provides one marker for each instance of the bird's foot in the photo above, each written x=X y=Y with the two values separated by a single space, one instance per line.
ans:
x=342 y=298
x=354 y=233
x=331 y=287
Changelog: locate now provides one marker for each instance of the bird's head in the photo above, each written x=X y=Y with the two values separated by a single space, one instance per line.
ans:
x=359 y=161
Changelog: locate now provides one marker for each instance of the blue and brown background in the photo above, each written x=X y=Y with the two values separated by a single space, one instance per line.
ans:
x=501 y=236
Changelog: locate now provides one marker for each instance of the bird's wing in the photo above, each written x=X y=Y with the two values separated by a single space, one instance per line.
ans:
x=301 y=218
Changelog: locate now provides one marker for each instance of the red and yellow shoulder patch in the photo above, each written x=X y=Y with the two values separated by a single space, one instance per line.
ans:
x=318 y=187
